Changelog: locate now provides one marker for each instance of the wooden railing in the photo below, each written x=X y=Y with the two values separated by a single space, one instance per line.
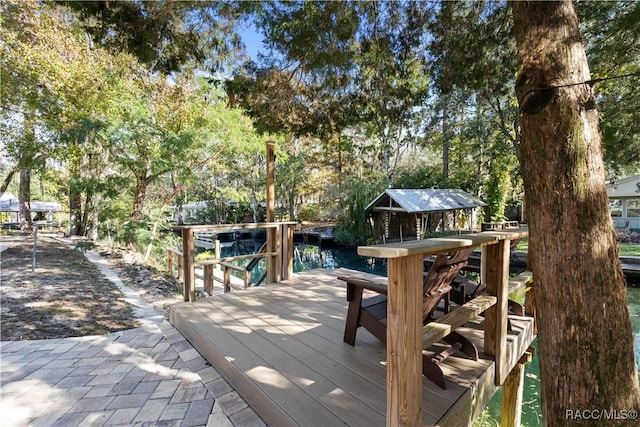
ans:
x=175 y=255
x=226 y=265
x=405 y=339
x=278 y=253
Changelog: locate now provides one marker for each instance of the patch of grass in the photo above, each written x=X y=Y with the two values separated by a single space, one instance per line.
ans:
x=485 y=419
x=629 y=249
x=626 y=249
x=523 y=245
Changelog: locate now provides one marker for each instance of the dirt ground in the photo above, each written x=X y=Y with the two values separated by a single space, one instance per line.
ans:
x=66 y=295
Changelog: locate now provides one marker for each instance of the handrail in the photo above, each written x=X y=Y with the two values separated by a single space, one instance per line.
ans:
x=257 y=255
x=279 y=256
x=229 y=227
x=254 y=262
x=438 y=245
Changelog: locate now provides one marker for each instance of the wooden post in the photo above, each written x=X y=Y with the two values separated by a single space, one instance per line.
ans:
x=497 y=280
x=530 y=296
x=530 y=304
x=35 y=243
x=188 y=251
x=218 y=250
x=279 y=254
x=247 y=278
x=404 y=343
x=287 y=251
x=511 y=408
x=271 y=212
x=208 y=278
x=170 y=261
x=180 y=268
x=226 y=281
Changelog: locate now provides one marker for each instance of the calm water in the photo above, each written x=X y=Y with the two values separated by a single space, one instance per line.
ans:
x=307 y=257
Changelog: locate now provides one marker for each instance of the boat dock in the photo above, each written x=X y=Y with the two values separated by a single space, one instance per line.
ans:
x=280 y=346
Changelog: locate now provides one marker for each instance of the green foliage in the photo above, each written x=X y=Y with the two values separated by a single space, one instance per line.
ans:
x=497 y=190
x=348 y=89
x=309 y=212
x=353 y=226
x=165 y=35
x=610 y=32
x=208 y=254
x=84 y=246
x=485 y=419
x=430 y=176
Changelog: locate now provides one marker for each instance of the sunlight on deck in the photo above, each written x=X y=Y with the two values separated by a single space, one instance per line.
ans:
x=281 y=347
x=268 y=376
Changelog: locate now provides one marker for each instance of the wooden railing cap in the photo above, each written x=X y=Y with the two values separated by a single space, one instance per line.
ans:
x=228 y=227
x=440 y=244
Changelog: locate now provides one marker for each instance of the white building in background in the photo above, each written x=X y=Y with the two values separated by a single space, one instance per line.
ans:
x=10 y=203
x=624 y=201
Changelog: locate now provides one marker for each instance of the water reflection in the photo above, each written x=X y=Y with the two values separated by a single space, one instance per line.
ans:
x=307 y=257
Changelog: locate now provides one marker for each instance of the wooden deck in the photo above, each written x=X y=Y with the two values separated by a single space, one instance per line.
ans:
x=280 y=346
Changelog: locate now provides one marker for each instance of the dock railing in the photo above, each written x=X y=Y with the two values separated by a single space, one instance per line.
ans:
x=278 y=252
x=406 y=338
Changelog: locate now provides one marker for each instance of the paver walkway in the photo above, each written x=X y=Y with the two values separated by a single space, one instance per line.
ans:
x=148 y=376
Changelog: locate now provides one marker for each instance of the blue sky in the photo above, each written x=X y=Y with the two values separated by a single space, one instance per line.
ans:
x=252 y=41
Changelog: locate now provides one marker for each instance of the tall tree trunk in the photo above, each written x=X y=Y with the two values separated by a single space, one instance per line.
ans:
x=292 y=202
x=93 y=217
x=25 y=164
x=138 y=206
x=75 y=211
x=585 y=335
x=138 y=200
x=88 y=208
x=446 y=136
x=24 y=198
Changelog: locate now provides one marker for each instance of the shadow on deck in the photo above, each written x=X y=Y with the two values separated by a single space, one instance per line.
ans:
x=280 y=346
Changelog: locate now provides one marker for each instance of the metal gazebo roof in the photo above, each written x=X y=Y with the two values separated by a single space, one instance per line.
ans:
x=424 y=200
x=9 y=203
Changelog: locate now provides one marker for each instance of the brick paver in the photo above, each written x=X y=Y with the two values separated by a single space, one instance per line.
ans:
x=117 y=384
x=145 y=376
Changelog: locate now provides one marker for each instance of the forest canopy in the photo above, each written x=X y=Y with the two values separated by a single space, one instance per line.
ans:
x=124 y=111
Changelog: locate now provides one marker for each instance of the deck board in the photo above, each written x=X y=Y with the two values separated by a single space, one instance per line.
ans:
x=280 y=346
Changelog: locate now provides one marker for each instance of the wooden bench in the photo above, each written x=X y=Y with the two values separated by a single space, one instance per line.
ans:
x=436 y=330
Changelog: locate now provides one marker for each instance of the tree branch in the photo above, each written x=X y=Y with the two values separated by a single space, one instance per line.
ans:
x=7 y=180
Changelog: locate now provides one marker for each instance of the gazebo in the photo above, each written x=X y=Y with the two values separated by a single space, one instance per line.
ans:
x=9 y=203
x=624 y=201
x=403 y=214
